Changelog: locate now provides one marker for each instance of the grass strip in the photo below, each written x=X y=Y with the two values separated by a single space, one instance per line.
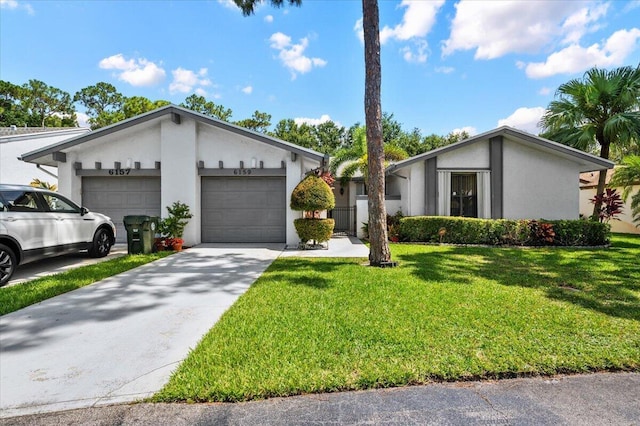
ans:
x=446 y=313
x=28 y=293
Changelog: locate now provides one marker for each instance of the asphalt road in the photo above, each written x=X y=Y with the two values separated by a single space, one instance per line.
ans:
x=593 y=399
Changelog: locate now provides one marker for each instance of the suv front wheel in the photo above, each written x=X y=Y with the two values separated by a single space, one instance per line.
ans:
x=101 y=244
x=7 y=264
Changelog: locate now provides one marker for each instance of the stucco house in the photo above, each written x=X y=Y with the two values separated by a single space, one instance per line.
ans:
x=504 y=173
x=14 y=141
x=237 y=182
x=588 y=186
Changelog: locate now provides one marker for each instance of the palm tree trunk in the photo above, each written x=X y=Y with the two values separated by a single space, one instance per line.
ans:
x=379 y=246
x=602 y=178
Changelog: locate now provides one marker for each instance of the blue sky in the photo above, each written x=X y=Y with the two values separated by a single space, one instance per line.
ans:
x=470 y=65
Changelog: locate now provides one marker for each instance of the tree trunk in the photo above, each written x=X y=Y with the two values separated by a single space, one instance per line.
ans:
x=602 y=177
x=379 y=246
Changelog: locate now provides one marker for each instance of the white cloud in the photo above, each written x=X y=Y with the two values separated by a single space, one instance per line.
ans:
x=247 y=90
x=312 y=121
x=14 y=5
x=418 y=55
x=576 y=58
x=469 y=129
x=497 y=28
x=359 y=30
x=416 y=22
x=444 y=70
x=229 y=4
x=200 y=92
x=185 y=81
x=137 y=72
x=268 y=18
x=82 y=119
x=292 y=55
x=544 y=91
x=524 y=119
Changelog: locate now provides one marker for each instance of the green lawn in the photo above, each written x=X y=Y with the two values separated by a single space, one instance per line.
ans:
x=35 y=291
x=447 y=313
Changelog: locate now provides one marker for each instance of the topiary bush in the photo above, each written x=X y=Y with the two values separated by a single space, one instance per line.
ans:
x=312 y=194
x=462 y=230
x=311 y=229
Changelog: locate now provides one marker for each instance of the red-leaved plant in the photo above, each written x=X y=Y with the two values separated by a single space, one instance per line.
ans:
x=611 y=205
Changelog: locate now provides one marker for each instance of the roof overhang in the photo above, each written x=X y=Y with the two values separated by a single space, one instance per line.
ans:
x=587 y=161
x=48 y=154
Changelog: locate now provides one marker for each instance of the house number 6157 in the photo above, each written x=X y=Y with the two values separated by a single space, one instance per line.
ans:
x=241 y=171
x=119 y=172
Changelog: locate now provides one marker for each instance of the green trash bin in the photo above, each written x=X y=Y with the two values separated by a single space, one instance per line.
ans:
x=141 y=232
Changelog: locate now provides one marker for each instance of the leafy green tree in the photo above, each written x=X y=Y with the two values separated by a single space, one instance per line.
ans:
x=329 y=136
x=103 y=104
x=47 y=105
x=12 y=111
x=601 y=109
x=354 y=159
x=302 y=135
x=200 y=104
x=259 y=122
x=626 y=176
x=137 y=105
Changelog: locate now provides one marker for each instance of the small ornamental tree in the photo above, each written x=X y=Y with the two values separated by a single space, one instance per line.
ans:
x=610 y=205
x=311 y=196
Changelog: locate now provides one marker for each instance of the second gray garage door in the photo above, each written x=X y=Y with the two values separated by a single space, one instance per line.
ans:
x=244 y=210
x=121 y=196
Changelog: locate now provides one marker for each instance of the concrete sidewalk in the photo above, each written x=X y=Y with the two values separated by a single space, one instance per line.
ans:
x=594 y=399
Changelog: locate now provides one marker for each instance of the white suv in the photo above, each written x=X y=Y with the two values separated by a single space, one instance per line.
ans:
x=37 y=223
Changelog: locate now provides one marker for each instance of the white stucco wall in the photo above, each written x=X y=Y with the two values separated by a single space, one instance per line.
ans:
x=624 y=222
x=362 y=211
x=15 y=171
x=473 y=156
x=179 y=148
x=538 y=185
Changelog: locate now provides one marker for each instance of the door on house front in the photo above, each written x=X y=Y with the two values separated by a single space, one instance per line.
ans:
x=464 y=194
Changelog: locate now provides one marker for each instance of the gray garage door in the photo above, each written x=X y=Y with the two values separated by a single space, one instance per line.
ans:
x=118 y=197
x=243 y=210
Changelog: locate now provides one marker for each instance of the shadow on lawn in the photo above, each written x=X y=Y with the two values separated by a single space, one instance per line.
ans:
x=305 y=272
x=602 y=280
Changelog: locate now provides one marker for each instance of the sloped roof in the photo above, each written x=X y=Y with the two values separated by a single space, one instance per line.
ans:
x=11 y=134
x=589 y=161
x=33 y=156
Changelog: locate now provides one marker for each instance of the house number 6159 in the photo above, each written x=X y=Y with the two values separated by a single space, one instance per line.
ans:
x=241 y=171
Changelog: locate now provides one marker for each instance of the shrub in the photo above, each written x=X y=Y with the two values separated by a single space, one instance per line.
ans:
x=312 y=194
x=460 y=230
x=318 y=230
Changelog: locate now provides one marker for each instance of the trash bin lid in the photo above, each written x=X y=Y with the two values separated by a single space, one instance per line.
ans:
x=135 y=219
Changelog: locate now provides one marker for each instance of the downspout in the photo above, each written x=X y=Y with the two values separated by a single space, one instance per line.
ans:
x=46 y=171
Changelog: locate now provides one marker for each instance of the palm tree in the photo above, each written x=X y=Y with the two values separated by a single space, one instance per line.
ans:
x=627 y=176
x=379 y=247
x=602 y=108
x=355 y=158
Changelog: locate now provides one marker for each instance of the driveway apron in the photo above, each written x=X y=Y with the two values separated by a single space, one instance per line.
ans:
x=119 y=340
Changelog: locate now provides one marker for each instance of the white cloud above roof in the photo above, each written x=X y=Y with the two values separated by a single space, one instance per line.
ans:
x=524 y=119
x=15 y=5
x=469 y=129
x=186 y=81
x=268 y=18
x=247 y=90
x=137 y=72
x=292 y=55
x=576 y=58
x=312 y=121
x=417 y=21
x=497 y=28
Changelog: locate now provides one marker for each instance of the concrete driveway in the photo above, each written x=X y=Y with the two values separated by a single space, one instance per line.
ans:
x=119 y=340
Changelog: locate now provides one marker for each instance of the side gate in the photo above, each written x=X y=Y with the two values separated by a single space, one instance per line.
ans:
x=345 y=218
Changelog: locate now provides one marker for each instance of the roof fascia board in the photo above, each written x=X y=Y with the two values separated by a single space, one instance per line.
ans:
x=41 y=135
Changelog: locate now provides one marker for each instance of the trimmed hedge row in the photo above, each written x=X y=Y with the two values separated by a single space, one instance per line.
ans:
x=462 y=230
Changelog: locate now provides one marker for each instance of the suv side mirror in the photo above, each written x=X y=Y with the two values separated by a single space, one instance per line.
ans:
x=83 y=211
